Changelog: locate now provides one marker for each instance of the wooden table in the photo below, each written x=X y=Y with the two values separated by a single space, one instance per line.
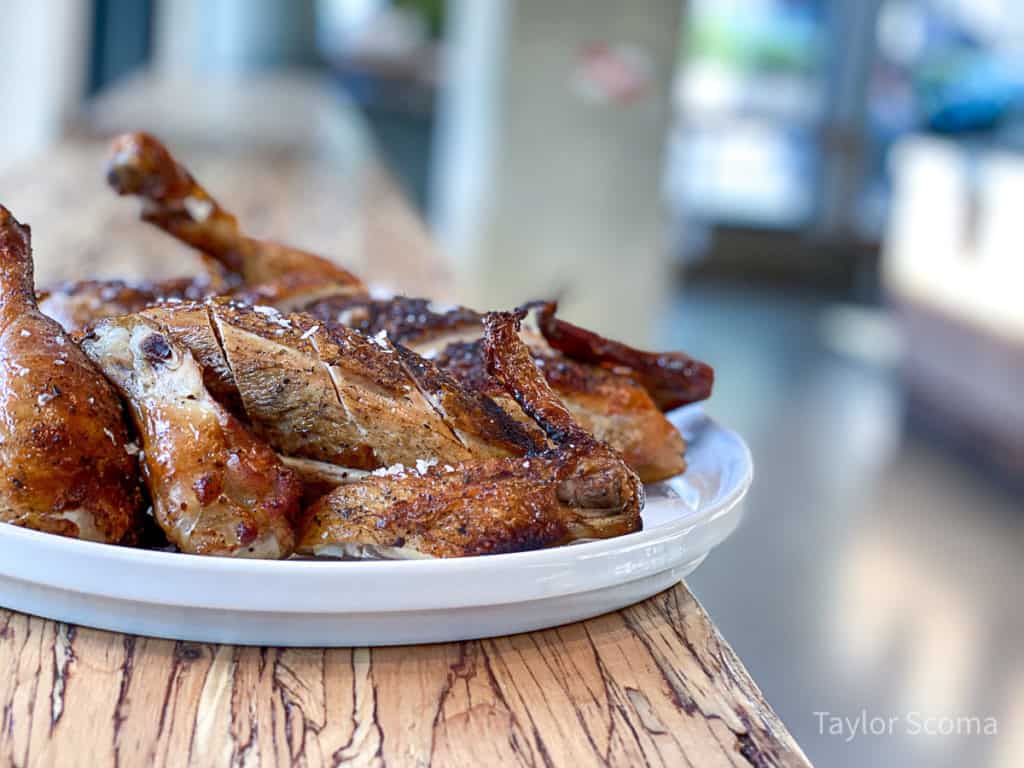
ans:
x=653 y=684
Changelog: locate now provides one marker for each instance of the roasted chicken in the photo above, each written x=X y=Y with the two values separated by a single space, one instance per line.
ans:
x=612 y=407
x=216 y=489
x=672 y=378
x=577 y=490
x=275 y=383
x=69 y=465
x=609 y=390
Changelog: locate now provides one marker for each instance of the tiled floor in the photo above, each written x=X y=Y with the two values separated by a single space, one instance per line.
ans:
x=874 y=573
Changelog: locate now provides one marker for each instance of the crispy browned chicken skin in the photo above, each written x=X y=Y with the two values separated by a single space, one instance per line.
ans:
x=672 y=378
x=216 y=489
x=579 y=489
x=77 y=305
x=610 y=406
x=68 y=466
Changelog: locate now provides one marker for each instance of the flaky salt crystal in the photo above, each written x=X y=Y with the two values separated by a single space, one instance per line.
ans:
x=422 y=465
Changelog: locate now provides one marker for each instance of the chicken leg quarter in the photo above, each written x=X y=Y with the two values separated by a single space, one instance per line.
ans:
x=68 y=463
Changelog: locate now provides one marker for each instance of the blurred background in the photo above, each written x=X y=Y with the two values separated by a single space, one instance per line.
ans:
x=819 y=198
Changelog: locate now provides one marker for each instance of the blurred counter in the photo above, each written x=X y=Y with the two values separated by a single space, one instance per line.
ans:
x=287 y=153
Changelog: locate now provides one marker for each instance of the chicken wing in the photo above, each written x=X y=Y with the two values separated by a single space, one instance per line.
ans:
x=68 y=462
x=672 y=378
x=216 y=489
x=336 y=395
x=611 y=406
x=579 y=489
x=173 y=200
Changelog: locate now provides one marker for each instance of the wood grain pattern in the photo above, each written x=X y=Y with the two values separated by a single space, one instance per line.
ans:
x=650 y=685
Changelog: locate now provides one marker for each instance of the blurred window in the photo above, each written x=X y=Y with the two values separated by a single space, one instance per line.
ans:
x=750 y=96
x=788 y=108
x=948 y=67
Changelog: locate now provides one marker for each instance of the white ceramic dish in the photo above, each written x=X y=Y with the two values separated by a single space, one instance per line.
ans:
x=331 y=603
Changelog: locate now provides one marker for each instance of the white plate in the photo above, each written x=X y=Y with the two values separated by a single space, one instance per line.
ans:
x=331 y=603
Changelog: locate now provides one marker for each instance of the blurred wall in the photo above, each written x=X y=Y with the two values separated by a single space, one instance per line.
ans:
x=43 y=65
x=229 y=37
x=550 y=153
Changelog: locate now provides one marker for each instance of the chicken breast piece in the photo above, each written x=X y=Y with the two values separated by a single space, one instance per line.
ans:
x=68 y=464
x=216 y=489
x=336 y=395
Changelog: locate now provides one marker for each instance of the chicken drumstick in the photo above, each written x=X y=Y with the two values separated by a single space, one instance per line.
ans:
x=173 y=200
x=216 y=489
